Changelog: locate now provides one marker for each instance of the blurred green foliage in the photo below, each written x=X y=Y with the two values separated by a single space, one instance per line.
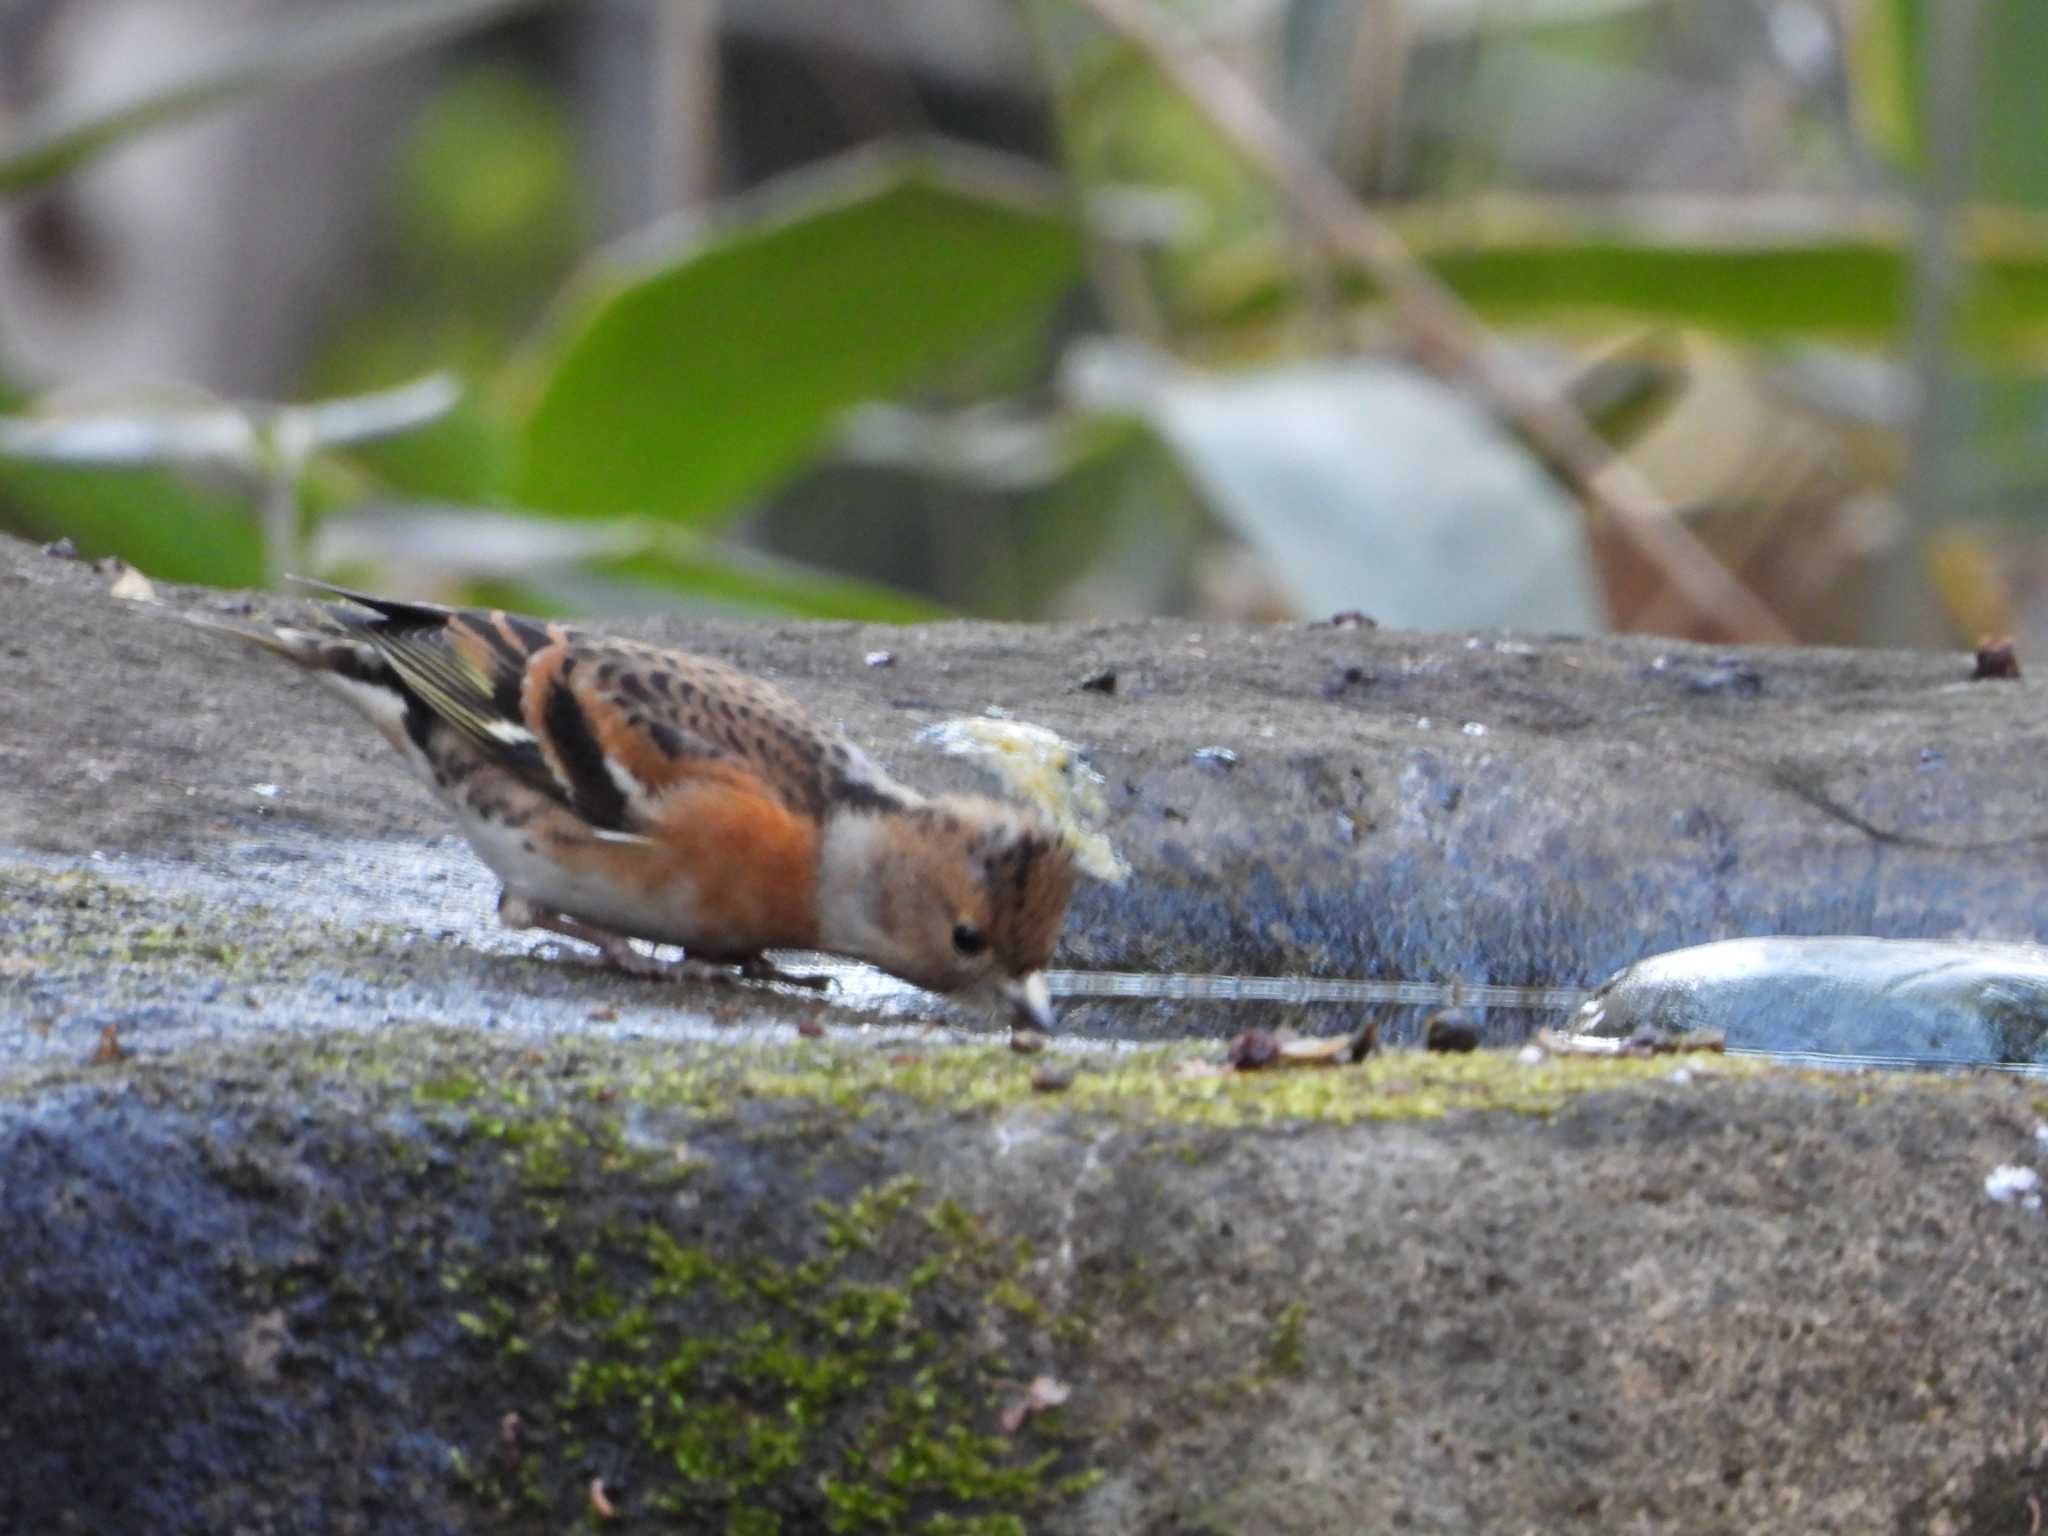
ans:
x=671 y=396
x=698 y=393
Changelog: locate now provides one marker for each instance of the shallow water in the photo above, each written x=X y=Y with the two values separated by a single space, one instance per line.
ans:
x=442 y=954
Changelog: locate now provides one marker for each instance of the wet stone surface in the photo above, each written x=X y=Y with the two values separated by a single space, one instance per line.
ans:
x=1870 y=1000
x=330 y=1205
x=1520 y=810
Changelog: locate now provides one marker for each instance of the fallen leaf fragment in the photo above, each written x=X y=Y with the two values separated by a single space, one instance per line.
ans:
x=1043 y=1393
x=110 y=1051
x=1252 y=1050
x=1558 y=1043
x=600 y=1504
x=1997 y=657
x=1315 y=1051
x=132 y=586
x=1642 y=1043
x=1451 y=1030
x=810 y=1029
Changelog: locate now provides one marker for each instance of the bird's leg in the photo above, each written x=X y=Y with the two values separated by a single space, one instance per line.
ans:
x=618 y=951
x=761 y=968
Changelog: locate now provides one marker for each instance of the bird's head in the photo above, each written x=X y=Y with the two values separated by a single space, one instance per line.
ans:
x=958 y=894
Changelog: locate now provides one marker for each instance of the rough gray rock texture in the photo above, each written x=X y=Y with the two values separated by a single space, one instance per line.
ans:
x=432 y=1283
x=1527 y=810
x=326 y=1207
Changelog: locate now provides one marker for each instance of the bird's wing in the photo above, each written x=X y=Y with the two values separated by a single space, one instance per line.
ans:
x=656 y=717
x=608 y=727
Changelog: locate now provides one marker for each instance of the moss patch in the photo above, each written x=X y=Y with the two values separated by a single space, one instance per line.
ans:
x=67 y=920
x=705 y=1348
x=840 y=1363
x=1170 y=1085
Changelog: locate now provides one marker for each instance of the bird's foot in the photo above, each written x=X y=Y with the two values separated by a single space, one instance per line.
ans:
x=621 y=956
x=761 y=968
x=616 y=949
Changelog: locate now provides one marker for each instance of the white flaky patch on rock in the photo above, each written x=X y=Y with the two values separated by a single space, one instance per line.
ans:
x=2009 y=1182
x=1045 y=771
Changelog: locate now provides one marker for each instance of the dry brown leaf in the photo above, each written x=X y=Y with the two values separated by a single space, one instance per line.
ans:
x=1316 y=1051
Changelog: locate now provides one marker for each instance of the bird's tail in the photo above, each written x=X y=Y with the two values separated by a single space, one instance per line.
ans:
x=309 y=648
x=342 y=659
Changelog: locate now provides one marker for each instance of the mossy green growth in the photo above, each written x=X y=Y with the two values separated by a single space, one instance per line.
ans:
x=1286 y=1354
x=1173 y=1085
x=846 y=1374
x=67 y=920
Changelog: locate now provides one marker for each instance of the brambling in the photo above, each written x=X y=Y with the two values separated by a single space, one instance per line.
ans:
x=623 y=791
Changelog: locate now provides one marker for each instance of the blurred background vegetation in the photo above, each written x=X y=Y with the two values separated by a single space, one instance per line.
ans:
x=1720 y=318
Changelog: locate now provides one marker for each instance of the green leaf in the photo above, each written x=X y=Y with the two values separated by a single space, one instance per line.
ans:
x=587 y=565
x=1842 y=278
x=1624 y=394
x=726 y=578
x=157 y=521
x=700 y=379
x=2012 y=109
x=1888 y=76
x=463 y=457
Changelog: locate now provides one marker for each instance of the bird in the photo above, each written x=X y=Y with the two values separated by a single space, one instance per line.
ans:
x=623 y=791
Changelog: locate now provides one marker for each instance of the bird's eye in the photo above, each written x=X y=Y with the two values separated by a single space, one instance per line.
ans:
x=969 y=940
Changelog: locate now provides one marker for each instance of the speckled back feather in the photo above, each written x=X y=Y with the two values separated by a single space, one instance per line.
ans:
x=604 y=725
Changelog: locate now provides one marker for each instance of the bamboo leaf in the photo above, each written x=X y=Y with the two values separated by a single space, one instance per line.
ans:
x=713 y=366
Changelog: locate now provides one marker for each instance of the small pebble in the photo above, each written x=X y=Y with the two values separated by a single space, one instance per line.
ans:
x=1340 y=683
x=62 y=549
x=1997 y=656
x=1051 y=1079
x=1253 y=1049
x=110 y=1051
x=131 y=586
x=880 y=658
x=810 y=1029
x=1026 y=1042
x=1451 y=1030
x=2008 y=1182
x=1100 y=681
x=1215 y=757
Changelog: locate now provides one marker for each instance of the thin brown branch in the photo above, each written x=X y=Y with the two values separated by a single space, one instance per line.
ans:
x=1450 y=337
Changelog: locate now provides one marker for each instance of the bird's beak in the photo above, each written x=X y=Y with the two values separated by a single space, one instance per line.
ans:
x=1032 y=999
